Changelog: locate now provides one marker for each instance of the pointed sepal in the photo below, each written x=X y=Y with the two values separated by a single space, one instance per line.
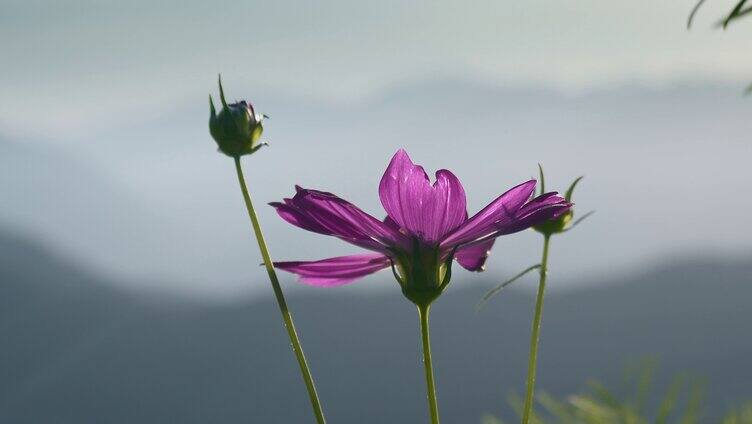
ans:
x=565 y=221
x=570 y=190
x=541 y=179
x=221 y=92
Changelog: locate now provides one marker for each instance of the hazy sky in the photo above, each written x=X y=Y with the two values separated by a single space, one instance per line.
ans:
x=93 y=62
x=109 y=161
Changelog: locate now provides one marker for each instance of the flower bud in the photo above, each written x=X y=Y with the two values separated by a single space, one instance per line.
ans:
x=236 y=128
x=563 y=222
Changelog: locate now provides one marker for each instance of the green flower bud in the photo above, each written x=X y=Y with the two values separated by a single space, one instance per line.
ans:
x=565 y=221
x=236 y=128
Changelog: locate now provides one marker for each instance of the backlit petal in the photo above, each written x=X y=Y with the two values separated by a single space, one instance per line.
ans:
x=428 y=211
x=502 y=209
x=473 y=257
x=328 y=214
x=335 y=271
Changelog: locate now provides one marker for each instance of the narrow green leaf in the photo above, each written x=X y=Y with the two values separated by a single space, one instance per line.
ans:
x=668 y=404
x=741 y=13
x=734 y=13
x=694 y=404
x=603 y=395
x=694 y=12
x=644 y=384
x=494 y=291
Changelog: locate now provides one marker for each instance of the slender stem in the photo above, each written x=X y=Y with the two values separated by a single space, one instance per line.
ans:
x=433 y=405
x=535 y=336
x=286 y=316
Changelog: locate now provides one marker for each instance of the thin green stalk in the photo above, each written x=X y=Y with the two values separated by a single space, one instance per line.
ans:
x=535 y=336
x=286 y=316
x=423 y=312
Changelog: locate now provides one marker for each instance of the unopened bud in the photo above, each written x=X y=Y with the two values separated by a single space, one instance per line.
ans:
x=563 y=222
x=236 y=128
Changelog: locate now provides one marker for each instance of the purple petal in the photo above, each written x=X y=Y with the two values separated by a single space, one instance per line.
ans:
x=335 y=271
x=542 y=201
x=325 y=213
x=502 y=209
x=542 y=208
x=473 y=257
x=425 y=210
x=391 y=224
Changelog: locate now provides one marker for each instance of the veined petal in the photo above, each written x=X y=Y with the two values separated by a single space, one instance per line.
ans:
x=426 y=210
x=473 y=257
x=502 y=209
x=335 y=271
x=542 y=208
x=328 y=214
x=391 y=224
x=542 y=201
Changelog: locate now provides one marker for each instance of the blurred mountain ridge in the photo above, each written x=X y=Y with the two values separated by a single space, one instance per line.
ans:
x=76 y=349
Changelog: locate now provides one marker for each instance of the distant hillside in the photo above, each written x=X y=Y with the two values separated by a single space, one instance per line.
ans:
x=77 y=205
x=76 y=351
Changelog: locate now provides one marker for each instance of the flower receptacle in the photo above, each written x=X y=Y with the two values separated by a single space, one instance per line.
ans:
x=423 y=274
x=236 y=128
x=556 y=225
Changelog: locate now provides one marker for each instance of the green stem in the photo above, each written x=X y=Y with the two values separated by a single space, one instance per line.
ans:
x=423 y=312
x=535 y=336
x=286 y=316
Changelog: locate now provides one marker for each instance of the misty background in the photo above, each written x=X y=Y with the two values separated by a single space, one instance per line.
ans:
x=110 y=182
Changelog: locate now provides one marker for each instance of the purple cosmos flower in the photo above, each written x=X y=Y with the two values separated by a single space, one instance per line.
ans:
x=426 y=228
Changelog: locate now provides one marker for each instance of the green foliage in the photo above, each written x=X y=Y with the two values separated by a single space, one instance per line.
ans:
x=737 y=12
x=490 y=419
x=741 y=415
x=680 y=403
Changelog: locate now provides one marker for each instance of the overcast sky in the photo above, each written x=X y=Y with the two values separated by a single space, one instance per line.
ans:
x=109 y=98
x=106 y=60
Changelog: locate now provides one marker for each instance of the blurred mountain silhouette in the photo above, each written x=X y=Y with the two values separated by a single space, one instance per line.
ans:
x=155 y=174
x=75 y=349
